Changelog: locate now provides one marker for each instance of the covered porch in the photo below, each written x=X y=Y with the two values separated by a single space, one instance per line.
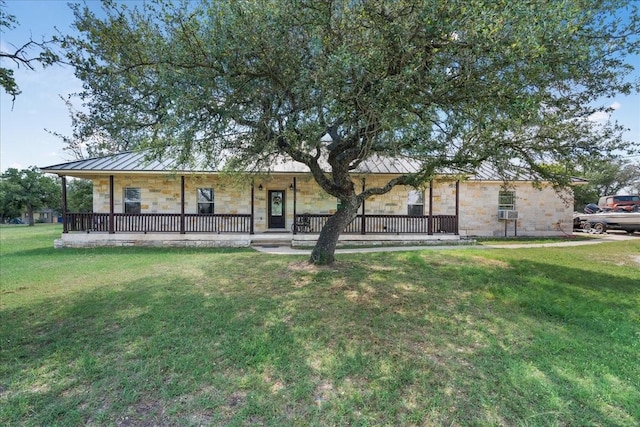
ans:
x=235 y=230
x=114 y=228
x=135 y=203
x=240 y=240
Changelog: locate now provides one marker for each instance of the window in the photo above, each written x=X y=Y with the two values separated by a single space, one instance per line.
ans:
x=132 y=200
x=415 y=203
x=205 y=200
x=626 y=198
x=506 y=201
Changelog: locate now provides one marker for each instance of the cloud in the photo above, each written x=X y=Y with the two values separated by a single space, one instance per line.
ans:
x=599 y=116
x=603 y=116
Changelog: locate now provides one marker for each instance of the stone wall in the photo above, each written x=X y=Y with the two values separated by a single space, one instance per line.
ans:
x=161 y=194
x=542 y=211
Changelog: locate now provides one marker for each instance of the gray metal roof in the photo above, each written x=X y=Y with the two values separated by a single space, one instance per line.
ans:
x=138 y=162
x=121 y=162
x=487 y=172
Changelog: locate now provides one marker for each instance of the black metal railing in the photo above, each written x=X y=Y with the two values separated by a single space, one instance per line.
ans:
x=387 y=224
x=217 y=223
x=241 y=223
x=86 y=221
x=158 y=223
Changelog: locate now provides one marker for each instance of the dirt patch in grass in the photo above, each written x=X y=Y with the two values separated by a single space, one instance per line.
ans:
x=489 y=262
x=302 y=273
x=306 y=266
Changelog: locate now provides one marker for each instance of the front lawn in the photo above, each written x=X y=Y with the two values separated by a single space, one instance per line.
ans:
x=470 y=336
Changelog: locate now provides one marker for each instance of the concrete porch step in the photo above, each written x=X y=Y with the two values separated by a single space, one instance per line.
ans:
x=271 y=239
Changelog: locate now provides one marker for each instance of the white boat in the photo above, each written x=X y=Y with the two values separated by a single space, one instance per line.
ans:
x=600 y=222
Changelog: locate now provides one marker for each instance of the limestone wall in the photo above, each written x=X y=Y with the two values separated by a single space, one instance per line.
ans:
x=161 y=194
x=542 y=211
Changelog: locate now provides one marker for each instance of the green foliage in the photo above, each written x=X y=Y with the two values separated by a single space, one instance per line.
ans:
x=447 y=84
x=606 y=177
x=8 y=209
x=28 y=190
x=80 y=195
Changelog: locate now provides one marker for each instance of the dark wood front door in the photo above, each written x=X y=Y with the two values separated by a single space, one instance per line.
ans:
x=276 y=209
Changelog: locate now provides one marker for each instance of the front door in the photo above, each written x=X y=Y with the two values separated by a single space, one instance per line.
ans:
x=276 y=209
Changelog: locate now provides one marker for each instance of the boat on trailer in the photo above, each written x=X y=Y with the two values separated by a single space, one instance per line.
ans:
x=600 y=222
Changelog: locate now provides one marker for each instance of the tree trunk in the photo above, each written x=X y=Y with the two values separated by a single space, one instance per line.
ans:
x=324 y=250
x=30 y=216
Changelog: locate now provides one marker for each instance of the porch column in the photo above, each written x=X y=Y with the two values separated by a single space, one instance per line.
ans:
x=252 y=207
x=363 y=224
x=111 y=206
x=181 y=204
x=457 y=206
x=295 y=201
x=65 y=227
x=430 y=218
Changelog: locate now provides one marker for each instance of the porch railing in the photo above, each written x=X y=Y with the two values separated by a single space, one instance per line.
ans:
x=155 y=223
x=389 y=224
x=241 y=223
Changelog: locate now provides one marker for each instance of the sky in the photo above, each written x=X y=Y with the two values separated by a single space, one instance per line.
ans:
x=27 y=123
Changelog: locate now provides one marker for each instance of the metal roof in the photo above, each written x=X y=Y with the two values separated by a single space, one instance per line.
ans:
x=138 y=162
x=127 y=161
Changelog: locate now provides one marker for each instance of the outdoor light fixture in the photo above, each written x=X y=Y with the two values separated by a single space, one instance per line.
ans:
x=291 y=187
x=260 y=187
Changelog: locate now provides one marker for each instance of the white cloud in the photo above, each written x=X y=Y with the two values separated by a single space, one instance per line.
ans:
x=603 y=116
x=599 y=116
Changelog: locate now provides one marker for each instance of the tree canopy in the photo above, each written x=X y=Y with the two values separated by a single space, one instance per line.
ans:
x=80 y=195
x=449 y=84
x=28 y=189
x=605 y=177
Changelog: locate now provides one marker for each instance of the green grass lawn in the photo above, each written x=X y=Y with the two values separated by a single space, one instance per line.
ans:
x=471 y=336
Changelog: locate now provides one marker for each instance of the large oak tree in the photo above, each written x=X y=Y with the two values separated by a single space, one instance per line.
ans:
x=447 y=83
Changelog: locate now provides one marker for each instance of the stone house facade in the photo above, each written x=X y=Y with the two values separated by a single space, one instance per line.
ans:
x=127 y=189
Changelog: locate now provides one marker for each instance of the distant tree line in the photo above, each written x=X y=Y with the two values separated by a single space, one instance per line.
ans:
x=29 y=190
x=605 y=177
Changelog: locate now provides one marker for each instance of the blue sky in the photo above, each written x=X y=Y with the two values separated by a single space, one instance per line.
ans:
x=25 y=142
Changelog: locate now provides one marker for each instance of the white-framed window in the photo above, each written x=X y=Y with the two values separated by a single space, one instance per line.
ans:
x=506 y=200
x=132 y=200
x=205 y=200
x=415 y=203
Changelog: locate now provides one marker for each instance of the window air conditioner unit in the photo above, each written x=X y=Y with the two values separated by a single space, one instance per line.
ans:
x=507 y=215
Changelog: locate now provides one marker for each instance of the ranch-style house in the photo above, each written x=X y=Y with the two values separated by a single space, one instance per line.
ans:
x=140 y=202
